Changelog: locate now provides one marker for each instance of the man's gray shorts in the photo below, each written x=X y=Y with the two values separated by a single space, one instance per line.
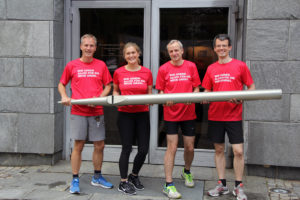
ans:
x=89 y=128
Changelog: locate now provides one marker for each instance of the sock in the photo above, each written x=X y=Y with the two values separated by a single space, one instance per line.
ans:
x=223 y=181
x=237 y=183
x=169 y=183
x=97 y=174
x=187 y=171
x=75 y=176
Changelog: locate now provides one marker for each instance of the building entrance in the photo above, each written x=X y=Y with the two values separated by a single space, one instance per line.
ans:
x=152 y=24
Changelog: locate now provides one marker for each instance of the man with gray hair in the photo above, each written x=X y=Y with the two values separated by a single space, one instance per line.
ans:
x=89 y=78
x=178 y=76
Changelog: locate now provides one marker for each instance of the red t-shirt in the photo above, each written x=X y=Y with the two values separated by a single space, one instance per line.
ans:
x=226 y=77
x=178 y=79
x=87 y=81
x=133 y=83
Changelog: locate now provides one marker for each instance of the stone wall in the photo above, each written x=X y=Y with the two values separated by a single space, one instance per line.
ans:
x=272 y=52
x=31 y=57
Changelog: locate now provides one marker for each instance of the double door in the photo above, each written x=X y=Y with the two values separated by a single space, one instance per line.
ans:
x=151 y=24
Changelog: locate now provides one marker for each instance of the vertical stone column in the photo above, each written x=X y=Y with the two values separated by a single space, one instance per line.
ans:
x=31 y=61
x=272 y=52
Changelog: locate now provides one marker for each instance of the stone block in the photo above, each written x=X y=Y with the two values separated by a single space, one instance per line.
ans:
x=30 y=38
x=273 y=143
x=58 y=131
x=24 y=100
x=2 y=9
x=267 y=39
x=294 y=40
x=275 y=9
x=59 y=10
x=30 y=9
x=57 y=40
x=11 y=71
x=268 y=110
x=277 y=75
x=35 y=133
x=59 y=66
x=295 y=107
x=54 y=98
x=8 y=132
x=39 y=72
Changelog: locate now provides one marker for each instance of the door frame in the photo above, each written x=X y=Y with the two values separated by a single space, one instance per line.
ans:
x=202 y=157
x=111 y=152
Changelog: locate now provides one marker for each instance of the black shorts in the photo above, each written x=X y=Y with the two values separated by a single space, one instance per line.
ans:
x=187 y=127
x=234 y=130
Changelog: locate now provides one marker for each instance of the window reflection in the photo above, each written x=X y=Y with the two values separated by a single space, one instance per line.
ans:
x=113 y=28
x=195 y=28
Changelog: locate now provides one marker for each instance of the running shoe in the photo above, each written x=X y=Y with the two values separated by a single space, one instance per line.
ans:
x=188 y=179
x=101 y=181
x=74 y=187
x=218 y=190
x=127 y=188
x=239 y=192
x=135 y=182
x=171 y=192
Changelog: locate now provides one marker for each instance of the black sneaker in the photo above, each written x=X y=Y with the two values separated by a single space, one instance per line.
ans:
x=127 y=188
x=136 y=182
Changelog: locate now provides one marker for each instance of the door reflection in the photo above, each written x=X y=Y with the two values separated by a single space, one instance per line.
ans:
x=195 y=28
x=113 y=28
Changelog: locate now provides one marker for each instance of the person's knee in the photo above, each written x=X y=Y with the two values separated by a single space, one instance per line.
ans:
x=143 y=151
x=126 y=149
x=172 y=147
x=78 y=146
x=238 y=153
x=99 y=147
x=189 y=149
x=219 y=150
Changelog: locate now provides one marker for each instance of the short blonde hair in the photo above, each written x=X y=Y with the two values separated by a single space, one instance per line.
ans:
x=88 y=36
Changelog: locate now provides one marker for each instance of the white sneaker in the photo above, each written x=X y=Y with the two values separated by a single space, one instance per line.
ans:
x=239 y=192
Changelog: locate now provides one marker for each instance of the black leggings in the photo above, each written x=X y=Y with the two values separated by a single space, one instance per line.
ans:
x=132 y=126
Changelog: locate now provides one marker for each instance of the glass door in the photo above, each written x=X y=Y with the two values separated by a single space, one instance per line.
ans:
x=194 y=23
x=114 y=23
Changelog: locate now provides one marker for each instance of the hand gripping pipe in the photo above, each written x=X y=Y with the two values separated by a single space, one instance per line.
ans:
x=180 y=97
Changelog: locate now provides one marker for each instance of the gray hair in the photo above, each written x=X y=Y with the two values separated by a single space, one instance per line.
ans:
x=175 y=41
x=88 y=36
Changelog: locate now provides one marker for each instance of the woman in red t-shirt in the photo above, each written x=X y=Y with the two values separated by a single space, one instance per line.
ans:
x=133 y=120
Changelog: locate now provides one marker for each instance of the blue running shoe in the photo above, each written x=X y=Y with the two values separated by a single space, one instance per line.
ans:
x=101 y=181
x=74 y=188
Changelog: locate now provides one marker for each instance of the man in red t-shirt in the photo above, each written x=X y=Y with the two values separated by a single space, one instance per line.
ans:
x=227 y=74
x=178 y=76
x=89 y=78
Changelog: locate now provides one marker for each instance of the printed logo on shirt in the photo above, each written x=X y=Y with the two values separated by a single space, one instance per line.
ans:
x=179 y=77
x=134 y=81
x=223 y=78
x=84 y=73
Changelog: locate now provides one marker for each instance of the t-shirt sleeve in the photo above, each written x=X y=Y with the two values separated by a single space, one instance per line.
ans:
x=150 y=78
x=106 y=76
x=196 y=79
x=116 y=77
x=66 y=75
x=246 y=76
x=160 y=82
x=207 y=83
